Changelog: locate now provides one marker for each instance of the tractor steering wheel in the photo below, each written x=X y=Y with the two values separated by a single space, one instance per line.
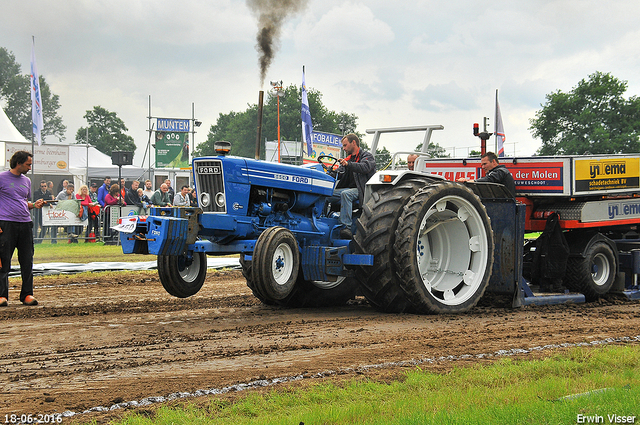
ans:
x=331 y=162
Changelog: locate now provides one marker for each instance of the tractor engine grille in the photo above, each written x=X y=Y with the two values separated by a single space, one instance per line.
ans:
x=210 y=185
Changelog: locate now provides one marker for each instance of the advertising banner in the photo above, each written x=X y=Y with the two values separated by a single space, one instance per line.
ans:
x=63 y=213
x=172 y=149
x=532 y=176
x=603 y=174
x=323 y=144
x=172 y=124
x=47 y=159
x=540 y=177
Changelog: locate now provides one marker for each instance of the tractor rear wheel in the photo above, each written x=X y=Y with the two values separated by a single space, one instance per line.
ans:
x=443 y=249
x=376 y=235
x=182 y=276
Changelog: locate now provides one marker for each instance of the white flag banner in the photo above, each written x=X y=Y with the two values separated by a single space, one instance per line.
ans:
x=500 y=136
x=36 y=100
x=307 y=125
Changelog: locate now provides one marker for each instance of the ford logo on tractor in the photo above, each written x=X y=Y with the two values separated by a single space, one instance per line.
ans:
x=208 y=169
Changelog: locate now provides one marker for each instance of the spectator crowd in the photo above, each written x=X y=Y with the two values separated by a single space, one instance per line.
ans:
x=96 y=203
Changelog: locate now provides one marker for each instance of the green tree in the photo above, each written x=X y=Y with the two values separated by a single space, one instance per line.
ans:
x=383 y=158
x=434 y=150
x=15 y=96
x=240 y=128
x=105 y=131
x=593 y=118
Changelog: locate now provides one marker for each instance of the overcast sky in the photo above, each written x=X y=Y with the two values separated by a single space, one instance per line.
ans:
x=392 y=63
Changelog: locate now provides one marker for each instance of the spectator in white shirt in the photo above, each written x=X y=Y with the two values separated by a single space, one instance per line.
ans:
x=182 y=198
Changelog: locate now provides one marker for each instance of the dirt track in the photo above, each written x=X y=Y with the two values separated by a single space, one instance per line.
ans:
x=99 y=343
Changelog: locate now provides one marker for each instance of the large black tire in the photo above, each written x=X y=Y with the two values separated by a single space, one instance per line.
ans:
x=594 y=274
x=247 y=272
x=275 y=264
x=179 y=276
x=376 y=234
x=322 y=294
x=443 y=252
x=304 y=293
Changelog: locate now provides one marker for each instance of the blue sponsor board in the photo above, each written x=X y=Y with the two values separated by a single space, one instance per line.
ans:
x=172 y=124
x=326 y=139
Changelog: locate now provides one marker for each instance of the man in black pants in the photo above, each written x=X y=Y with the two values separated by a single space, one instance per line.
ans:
x=16 y=227
x=45 y=195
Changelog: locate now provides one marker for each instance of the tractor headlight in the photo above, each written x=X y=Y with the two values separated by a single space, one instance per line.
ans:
x=220 y=199
x=205 y=199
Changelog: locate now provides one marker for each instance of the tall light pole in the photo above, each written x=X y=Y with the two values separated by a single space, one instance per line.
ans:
x=277 y=87
x=194 y=123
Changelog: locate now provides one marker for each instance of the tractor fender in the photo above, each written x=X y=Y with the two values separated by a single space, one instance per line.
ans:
x=395 y=177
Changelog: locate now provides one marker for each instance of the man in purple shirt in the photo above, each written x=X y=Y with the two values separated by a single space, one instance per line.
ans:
x=16 y=228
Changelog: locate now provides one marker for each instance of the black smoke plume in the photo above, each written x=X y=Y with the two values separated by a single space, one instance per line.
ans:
x=271 y=16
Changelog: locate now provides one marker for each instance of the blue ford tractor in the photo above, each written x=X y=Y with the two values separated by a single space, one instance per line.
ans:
x=422 y=244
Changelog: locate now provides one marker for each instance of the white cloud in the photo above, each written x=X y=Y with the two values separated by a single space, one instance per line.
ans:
x=391 y=63
x=443 y=97
x=348 y=27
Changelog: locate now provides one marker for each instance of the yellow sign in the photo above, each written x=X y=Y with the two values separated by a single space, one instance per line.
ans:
x=607 y=174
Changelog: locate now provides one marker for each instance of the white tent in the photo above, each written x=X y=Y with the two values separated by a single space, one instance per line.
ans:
x=100 y=165
x=8 y=131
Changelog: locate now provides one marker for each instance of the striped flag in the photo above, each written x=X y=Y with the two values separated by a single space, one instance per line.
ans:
x=500 y=137
x=307 y=125
x=36 y=100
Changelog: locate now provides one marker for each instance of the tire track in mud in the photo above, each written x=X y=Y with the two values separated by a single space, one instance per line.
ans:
x=129 y=307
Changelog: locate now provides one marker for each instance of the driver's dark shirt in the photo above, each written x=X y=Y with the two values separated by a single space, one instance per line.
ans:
x=347 y=179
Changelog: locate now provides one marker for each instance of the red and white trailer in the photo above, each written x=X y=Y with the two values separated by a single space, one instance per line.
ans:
x=594 y=191
x=597 y=199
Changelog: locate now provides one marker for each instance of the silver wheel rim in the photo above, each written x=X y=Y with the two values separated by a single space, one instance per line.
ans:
x=602 y=270
x=190 y=273
x=282 y=264
x=325 y=284
x=452 y=250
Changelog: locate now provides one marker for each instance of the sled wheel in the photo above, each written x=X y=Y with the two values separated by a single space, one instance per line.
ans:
x=444 y=249
x=594 y=274
x=181 y=275
x=276 y=262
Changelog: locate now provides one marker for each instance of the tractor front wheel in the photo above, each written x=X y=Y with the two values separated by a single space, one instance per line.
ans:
x=182 y=275
x=275 y=264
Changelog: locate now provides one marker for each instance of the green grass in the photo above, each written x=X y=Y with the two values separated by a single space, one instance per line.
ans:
x=505 y=392
x=81 y=253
